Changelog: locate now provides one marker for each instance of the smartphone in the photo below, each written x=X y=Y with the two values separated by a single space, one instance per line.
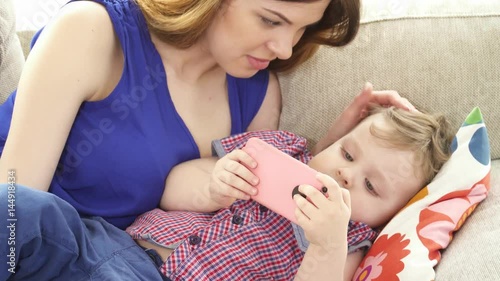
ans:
x=280 y=176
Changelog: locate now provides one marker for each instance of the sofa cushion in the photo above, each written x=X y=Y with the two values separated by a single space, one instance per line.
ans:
x=409 y=246
x=441 y=55
x=11 y=55
x=25 y=37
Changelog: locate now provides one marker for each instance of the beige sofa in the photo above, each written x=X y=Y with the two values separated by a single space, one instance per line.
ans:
x=442 y=54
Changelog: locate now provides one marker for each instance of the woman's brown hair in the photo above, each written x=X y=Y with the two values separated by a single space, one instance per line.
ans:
x=181 y=23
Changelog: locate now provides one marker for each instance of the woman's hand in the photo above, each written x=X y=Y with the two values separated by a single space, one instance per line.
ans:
x=357 y=110
x=231 y=179
x=324 y=218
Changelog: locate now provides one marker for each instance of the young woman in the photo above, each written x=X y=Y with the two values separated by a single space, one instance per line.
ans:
x=115 y=94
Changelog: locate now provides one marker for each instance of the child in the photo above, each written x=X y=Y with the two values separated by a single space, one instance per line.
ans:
x=370 y=174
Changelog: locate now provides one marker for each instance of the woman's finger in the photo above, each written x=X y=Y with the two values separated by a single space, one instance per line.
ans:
x=409 y=105
x=392 y=98
x=387 y=97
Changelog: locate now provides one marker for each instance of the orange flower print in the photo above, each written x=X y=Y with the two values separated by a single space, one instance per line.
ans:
x=383 y=260
x=439 y=221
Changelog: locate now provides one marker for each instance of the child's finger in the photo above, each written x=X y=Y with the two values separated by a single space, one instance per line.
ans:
x=346 y=196
x=242 y=157
x=314 y=196
x=334 y=190
x=302 y=219
x=308 y=208
x=236 y=166
x=229 y=190
x=238 y=180
x=303 y=203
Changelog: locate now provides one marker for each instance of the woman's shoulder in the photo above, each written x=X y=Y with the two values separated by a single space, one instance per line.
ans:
x=119 y=14
x=119 y=22
x=89 y=11
x=75 y=18
x=80 y=39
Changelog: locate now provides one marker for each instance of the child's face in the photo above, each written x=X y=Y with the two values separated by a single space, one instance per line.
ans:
x=380 y=179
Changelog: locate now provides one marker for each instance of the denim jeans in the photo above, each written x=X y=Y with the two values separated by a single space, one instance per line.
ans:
x=42 y=237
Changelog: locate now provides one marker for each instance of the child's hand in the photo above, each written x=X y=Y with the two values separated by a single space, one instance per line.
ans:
x=324 y=219
x=231 y=180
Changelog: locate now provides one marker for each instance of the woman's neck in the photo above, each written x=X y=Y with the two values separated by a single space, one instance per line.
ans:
x=192 y=65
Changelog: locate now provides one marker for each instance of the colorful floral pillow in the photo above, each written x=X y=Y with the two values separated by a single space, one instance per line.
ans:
x=409 y=246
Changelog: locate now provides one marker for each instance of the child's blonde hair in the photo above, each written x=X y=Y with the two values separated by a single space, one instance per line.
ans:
x=428 y=135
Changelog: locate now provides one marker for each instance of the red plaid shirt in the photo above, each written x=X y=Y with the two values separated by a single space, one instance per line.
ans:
x=243 y=242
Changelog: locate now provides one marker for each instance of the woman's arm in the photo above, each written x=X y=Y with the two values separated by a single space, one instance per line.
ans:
x=69 y=64
x=229 y=180
x=194 y=178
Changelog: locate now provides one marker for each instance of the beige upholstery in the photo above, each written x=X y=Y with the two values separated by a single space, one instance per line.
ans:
x=25 y=37
x=443 y=55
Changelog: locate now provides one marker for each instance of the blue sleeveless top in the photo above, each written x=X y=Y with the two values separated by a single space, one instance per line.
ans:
x=121 y=149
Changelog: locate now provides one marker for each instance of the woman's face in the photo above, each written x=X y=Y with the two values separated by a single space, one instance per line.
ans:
x=248 y=34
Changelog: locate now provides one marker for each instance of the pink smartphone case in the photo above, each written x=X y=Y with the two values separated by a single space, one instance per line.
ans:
x=280 y=175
